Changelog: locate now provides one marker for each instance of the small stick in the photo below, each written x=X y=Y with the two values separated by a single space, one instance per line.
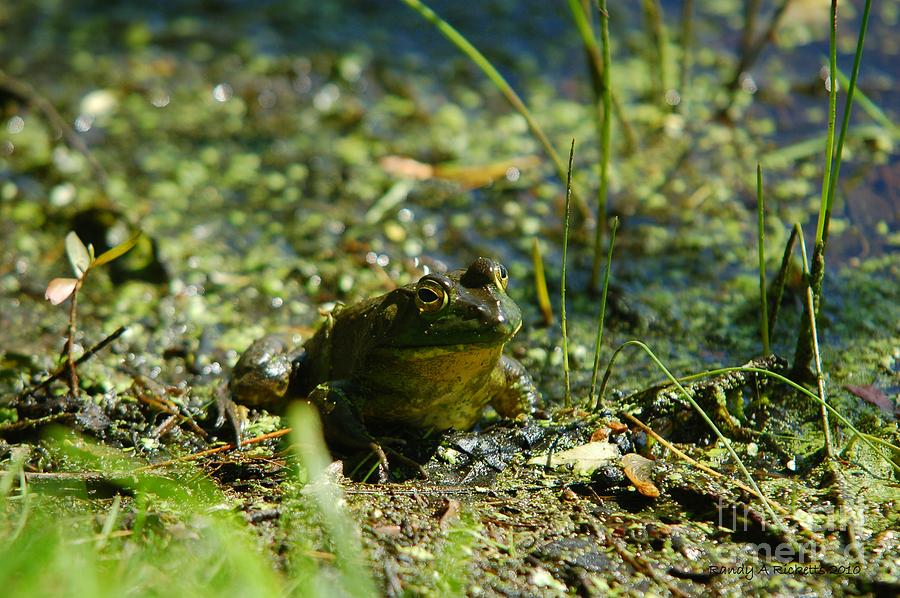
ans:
x=30 y=95
x=214 y=451
x=751 y=52
x=87 y=355
x=70 y=341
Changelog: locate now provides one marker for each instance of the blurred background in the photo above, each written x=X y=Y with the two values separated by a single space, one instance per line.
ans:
x=281 y=156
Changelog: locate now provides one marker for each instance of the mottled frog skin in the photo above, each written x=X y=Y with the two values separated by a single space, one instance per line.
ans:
x=428 y=355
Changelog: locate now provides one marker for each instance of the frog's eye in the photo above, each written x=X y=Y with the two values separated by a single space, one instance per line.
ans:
x=501 y=276
x=430 y=297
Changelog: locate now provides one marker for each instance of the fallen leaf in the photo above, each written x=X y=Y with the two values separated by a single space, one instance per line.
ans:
x=468 y=176
x=639 y=471
x=871 y=394
x=451 y=512
x=599 y=435
x=617 y=427
x=584 y=459
x=406 y=167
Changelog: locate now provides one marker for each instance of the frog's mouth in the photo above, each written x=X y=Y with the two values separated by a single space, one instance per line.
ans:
x=459 y=340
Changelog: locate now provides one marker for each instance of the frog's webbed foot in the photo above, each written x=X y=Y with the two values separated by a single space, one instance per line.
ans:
x=229 y=411
x=408 y=462
x=512 y=389
x=345 y=430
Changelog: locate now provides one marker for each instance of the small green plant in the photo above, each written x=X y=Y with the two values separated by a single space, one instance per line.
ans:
x=83 y=261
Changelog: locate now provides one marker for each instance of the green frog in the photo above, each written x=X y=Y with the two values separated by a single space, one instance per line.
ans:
x=426 y=356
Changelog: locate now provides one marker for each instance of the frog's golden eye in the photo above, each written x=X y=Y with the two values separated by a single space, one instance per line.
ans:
x=430 y=296
x=501 y=276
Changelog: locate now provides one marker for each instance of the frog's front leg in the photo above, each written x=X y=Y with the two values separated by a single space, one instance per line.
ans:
x=512 y=390
x=262 y=375
x=342 y=422
x=344 y=427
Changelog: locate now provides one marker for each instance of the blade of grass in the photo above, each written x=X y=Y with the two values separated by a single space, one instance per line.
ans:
x=605 y=139
x=845 y=126
x=562 y=315
x=687 y=39
x=540 y=283
x=761 y=250
x=814 y=336
x=803 y=352
x=653 y=16
x=871 y=108
x=109 y=523
x=867 y=439
x=600 y=78
x=479 y=59
x=612 y=241
x=832 y=117
x=784 y=156
x=778 y=284
x=309 y=444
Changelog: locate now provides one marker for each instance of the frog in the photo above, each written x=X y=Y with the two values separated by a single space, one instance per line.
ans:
x=427 y=356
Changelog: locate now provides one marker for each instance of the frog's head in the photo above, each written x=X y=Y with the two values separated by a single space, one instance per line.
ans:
x=463 y=307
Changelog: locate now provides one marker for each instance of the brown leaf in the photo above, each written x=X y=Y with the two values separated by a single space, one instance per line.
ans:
x=617 y=427
x=451 y=512
x=599 y=435
x=60 y=289
x=406 y=168
x=639 y=471
x=873 y=395
x=468 y=176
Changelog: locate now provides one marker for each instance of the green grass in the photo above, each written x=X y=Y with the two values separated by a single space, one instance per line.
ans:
x=176 y=533
x=172 y=533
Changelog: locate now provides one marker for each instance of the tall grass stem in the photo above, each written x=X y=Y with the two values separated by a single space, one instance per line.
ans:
x=814 y=338
x=605 y=139
x=832 y=117
x=845 y=126
x=562 y=306
x=761 y=251
x=614 y=226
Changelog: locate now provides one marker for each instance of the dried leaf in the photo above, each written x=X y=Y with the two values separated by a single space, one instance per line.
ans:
x=451 y=513
x=60 y=289
x=873 y=395
x=599 y=435
x=479 y=175
x=78 y=254
x=639 y=471
x=406 y=168
x=617 y=427
x=468 y=176
x=118 y=250
x=584 y=459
